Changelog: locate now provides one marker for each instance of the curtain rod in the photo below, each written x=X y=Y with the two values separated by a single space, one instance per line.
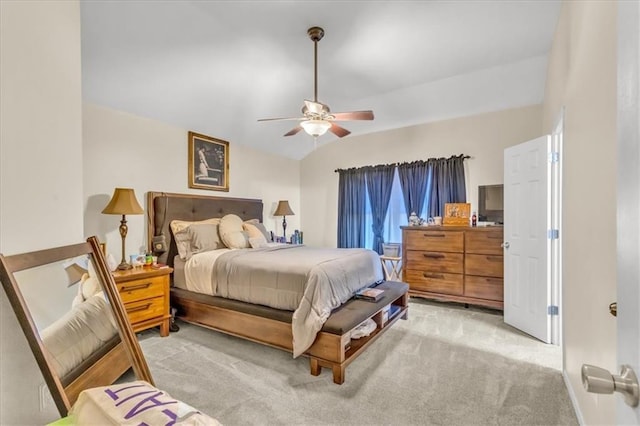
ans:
x=405 y=162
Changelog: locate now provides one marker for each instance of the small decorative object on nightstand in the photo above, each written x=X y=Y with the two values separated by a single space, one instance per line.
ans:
x=145 y=295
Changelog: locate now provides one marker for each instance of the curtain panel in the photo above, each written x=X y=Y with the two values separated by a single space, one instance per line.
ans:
x=414 y=178
x=448 y=183
x=352 y=192
x=379 y=184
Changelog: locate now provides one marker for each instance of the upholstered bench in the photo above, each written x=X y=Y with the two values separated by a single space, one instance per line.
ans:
x=336 y=332
x=333 y=347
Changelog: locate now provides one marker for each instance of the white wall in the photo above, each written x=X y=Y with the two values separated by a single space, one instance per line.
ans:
x=40 y=167
x=122 y=149
x=582 y=77
x=484 y=137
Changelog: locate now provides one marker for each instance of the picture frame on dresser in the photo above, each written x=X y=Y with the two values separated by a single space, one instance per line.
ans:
x=208 y=162
x=456 y=214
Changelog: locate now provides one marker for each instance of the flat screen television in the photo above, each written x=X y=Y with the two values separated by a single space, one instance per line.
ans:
x=490 y=203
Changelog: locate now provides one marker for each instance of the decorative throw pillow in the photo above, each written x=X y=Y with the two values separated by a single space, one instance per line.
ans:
x=204 y=237
x=136 y=403
x=258 y=242
x=258 y=225
x=232 y=233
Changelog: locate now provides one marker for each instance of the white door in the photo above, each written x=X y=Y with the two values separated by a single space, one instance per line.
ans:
x=628 y=216
x=527 y=219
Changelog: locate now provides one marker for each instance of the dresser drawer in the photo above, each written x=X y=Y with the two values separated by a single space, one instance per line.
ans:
x=434 y=261
x=484 y=287
x=143 y=288
x=435 y=282
x=483 y=265
x=145 y=309
x=483 y=242
x=449 y=241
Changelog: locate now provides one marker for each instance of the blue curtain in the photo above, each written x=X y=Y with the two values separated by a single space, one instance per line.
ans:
x=352 y=192
x=379 y=183
x=413 y=180
x=448 y=183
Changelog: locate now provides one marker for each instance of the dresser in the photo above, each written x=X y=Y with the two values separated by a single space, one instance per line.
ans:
x=451 y=263
x=145 y=296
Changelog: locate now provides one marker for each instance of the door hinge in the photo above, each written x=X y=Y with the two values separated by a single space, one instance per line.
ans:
x=552 y=310
x=553 y=234
x=554 y=157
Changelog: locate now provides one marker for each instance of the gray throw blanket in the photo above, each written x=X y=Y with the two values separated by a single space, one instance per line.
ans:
x=310 y=281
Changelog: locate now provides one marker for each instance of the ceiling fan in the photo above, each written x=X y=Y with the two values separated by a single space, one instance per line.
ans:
x=317 y=118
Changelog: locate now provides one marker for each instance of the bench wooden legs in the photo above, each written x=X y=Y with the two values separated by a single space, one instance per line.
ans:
x=337 y=369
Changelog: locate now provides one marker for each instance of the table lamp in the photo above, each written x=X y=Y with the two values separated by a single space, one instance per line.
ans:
x=283 y=210
x=123 y=202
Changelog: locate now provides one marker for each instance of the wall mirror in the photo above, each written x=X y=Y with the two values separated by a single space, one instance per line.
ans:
x=68 y=307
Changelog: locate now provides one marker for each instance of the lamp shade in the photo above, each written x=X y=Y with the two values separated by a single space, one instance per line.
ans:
x=315 y=127
x=283 y=209
x=123 y=201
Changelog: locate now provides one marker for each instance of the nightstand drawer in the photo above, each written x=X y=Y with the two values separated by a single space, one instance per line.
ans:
x=140 y=289
x=145 y=309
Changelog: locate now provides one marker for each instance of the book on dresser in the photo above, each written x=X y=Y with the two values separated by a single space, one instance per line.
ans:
x=369 y=294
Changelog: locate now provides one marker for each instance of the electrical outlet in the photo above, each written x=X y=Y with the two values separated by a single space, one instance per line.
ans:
x=46 y=400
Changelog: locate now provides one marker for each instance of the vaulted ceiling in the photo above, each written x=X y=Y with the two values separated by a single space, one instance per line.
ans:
x=216 y=67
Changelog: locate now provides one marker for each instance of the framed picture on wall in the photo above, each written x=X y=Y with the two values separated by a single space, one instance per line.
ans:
x=208 y=163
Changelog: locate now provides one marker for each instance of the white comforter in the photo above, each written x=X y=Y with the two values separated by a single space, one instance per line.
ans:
x=309 y=281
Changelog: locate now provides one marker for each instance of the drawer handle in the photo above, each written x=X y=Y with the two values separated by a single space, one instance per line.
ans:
x=433 y=256
x=136 y=287
x=494 y=237
x=436 y=276
x=494 y=259
x=492 y=280
x=435 y=235
x=138 y=308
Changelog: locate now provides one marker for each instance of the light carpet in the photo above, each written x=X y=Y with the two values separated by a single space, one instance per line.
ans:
x=445 y=365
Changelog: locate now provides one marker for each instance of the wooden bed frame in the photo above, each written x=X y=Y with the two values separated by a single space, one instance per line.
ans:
x=263 y=325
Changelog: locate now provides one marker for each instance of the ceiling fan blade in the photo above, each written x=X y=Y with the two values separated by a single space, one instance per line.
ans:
x=293 y=131
x=281 y=119
x=338 y=131
x=352 y=115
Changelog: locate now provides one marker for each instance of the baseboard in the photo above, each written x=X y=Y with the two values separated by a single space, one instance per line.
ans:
x=572 y=396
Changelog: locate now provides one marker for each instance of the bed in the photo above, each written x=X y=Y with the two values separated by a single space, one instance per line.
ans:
x=322 y=332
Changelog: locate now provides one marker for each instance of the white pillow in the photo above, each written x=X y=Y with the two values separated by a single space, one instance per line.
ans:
x=232 y=232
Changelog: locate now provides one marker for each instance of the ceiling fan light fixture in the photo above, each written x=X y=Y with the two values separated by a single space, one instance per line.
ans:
x=316 y=127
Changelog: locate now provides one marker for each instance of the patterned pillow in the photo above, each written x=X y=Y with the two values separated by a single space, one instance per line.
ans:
x=232 y=233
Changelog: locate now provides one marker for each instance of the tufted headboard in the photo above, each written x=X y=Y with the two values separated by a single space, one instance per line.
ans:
x=163 y=207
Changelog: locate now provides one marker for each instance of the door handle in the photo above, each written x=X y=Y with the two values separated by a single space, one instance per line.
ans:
x=599 y=380
x=505 y=245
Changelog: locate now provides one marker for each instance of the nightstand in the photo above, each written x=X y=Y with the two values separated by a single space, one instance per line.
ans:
x=145 y=295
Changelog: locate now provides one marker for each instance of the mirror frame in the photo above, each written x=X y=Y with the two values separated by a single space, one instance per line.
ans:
x=101 y=373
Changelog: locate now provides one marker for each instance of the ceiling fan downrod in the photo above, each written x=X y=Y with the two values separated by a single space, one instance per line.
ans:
x=315 y=34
